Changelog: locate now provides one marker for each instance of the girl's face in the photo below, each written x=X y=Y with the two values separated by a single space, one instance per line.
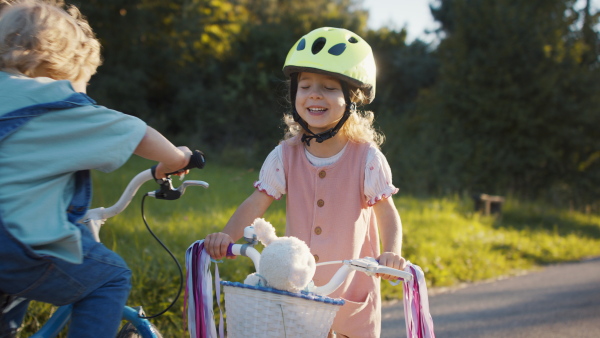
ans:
x=319 y=101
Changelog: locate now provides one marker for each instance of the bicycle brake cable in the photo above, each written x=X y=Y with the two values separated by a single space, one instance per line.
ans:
x=172 y=256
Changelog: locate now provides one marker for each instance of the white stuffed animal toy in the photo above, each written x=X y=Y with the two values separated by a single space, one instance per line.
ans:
x=285 y=263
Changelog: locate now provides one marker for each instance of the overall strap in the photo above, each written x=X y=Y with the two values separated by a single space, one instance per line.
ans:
x=82 y=196
x=13 y=121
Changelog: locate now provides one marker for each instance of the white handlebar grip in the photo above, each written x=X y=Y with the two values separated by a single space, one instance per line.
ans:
x=394 y=272
x=248 y=251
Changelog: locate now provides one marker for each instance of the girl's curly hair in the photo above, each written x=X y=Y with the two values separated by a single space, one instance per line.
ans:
x=42 y=36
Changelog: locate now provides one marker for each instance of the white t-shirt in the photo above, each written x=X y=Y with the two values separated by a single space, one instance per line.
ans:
x=378 y=174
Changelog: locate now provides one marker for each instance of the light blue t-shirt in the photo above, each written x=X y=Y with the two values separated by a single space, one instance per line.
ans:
x=38 y=162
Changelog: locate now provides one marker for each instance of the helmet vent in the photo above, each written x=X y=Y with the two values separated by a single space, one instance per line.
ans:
x=301 y=45
x=337 y=49
x=352 y=39
x=318 y=45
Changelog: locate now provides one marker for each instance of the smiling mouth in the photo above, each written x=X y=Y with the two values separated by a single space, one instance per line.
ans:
x=316 y=110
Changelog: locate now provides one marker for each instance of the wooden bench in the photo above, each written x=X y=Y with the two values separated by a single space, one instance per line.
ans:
x=488 y=204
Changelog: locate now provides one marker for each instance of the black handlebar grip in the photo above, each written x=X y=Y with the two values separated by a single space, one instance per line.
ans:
x=197 y=160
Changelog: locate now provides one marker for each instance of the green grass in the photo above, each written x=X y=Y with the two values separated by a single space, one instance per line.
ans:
x=444 y=236
x=454 y=245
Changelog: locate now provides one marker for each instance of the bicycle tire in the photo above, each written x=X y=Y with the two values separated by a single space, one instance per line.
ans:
x=130 y=331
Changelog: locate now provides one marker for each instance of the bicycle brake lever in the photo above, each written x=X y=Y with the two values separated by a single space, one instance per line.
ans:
x=186 y=184
x=166 y=190
x=368 y=265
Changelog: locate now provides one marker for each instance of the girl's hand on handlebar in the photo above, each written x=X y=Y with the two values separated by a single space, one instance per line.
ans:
x=216 y=245
x=391 y=260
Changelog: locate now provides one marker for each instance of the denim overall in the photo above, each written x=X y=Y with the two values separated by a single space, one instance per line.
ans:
x=98 y=288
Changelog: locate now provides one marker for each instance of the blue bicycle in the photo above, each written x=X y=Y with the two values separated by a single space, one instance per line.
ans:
x=137 y=323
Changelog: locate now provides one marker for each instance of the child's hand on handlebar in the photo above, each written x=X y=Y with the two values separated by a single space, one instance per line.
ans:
x=391 y=260
x=216 y=245
x=172 y=168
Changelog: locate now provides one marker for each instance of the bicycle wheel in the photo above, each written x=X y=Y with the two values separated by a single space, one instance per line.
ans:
x=130 y=331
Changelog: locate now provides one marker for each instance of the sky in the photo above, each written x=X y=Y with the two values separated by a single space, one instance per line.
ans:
x=395 y=14
x=414 y=14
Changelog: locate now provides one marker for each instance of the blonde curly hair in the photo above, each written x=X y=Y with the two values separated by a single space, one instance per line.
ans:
x=358 y=128
x=42 y=37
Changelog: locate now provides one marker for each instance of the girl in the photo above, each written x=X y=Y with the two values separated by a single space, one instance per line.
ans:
x=338 y=183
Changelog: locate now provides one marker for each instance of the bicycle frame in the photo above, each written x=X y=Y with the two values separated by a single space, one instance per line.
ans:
x=141 y=324
x=62 y=315
x=55 y=324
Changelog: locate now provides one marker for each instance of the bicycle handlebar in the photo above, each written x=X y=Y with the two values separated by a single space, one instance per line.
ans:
x=367 y=265
x=95 y=218
x=245 y=250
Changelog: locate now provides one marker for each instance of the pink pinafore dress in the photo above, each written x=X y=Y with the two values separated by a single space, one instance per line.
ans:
x=327 y=209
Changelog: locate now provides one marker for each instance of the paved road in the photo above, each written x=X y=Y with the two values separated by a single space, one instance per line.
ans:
x=557 y=301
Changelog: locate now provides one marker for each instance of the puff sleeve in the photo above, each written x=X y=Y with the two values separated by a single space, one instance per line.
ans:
x=378 y=177
x=271 y=179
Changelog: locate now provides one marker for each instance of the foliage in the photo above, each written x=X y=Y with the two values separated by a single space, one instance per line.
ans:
x=404 y=73
x=514 y=108
x=505 y=104
x=455 y=245
x=207 y=72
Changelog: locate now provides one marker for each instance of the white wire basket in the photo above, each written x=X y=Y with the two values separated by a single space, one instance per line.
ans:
x=254 y=311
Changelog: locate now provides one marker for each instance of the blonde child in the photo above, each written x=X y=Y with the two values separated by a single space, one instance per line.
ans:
x=337 y=181
x=51 y=134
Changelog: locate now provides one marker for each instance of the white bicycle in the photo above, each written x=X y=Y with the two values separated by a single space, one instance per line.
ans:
x=257 y=311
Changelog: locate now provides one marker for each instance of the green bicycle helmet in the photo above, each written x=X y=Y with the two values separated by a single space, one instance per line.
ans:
x=335 y=52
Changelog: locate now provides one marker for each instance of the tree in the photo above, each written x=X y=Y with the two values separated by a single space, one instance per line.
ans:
x=207 y=72
x=517 y=91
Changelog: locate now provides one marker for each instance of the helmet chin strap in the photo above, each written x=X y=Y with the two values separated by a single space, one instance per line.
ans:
x=308 y=134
